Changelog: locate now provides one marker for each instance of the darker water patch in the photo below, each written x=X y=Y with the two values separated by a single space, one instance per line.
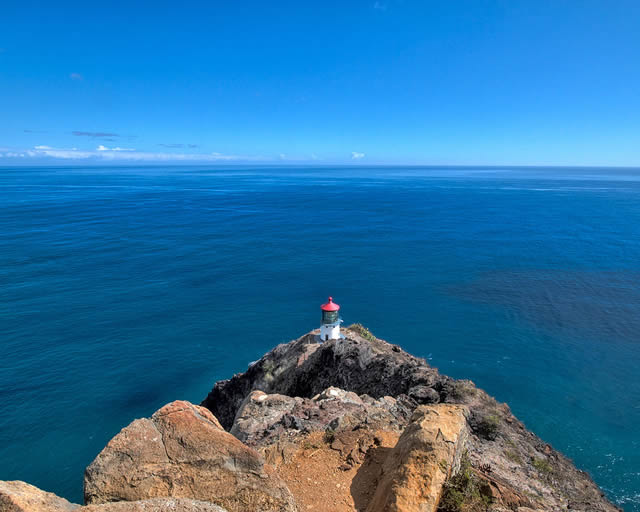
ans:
x=603 y=305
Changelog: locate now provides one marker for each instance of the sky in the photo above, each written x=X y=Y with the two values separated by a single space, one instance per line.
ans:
x=449 y=82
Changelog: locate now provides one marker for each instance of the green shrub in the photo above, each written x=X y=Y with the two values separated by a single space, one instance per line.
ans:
x=363 y=331
x=462 y=389
x=268 y=367
x=542 y=465
x=487 y=426
x=465 y=492
x=329 y=436
x=513 y=456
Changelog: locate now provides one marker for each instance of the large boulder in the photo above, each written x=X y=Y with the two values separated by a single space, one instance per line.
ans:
x=16 y=496
x=427 y=453
x=182 y=451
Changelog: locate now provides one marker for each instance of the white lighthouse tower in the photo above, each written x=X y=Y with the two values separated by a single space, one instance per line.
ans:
x=330 y=328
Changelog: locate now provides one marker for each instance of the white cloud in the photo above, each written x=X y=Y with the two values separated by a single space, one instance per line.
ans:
x=103 y=153
x=76 y=76
x=104 y=148
x=356 y=156
x=380 y=6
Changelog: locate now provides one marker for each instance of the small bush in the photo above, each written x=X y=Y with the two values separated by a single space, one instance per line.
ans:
x=268 y=367
x=308 y=444
x=329 y=436
x=542 y=466
x=363 y=331
x=513 y=456
x=462 y=389
x=488 y=427
x=465 y=492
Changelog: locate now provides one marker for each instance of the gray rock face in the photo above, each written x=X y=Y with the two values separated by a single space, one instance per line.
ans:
x=264 y=419
x=182 y=451
x=304 y=368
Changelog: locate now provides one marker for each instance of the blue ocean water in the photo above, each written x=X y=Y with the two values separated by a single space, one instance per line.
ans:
x=125 y=288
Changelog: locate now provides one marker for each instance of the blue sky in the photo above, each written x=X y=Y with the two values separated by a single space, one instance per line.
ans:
x=387 y=81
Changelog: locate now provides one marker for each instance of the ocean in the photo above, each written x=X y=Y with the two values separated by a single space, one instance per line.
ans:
x=124 y=288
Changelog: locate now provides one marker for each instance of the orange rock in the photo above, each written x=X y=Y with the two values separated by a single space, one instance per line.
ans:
x=426 y=454
x=182 y=451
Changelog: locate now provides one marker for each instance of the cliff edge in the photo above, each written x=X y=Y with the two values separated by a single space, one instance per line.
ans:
x=355 y=424
x=504 y=466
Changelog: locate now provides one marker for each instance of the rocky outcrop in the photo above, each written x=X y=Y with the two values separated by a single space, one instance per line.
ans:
x=182 y=451
x=304 y=368
x=19 y=496
x=500 y=449
x=427 y=453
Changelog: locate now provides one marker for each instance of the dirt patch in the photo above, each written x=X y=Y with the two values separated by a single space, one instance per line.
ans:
x=335 y=472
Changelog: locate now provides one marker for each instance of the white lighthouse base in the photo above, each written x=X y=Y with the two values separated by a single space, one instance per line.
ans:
x=330 y=331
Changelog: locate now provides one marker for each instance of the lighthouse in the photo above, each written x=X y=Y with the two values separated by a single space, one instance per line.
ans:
x=330 y=328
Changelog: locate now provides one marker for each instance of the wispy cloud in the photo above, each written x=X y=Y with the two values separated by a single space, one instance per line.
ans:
x=76 y=76
x=178 y=146
x=104 y=148
x=103 y=153
x=34 y=131
x=356 y=156
x=380 y=6
x=95 y=135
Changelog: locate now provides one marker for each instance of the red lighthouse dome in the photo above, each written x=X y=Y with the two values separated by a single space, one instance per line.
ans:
x=330 y=306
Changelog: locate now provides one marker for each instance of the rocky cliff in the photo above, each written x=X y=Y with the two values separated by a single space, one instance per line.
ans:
x=355 y=424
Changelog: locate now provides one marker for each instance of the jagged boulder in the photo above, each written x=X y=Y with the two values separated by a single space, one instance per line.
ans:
x=264 y=419
x=16 y=496
x=182 y=451
x=427 y=453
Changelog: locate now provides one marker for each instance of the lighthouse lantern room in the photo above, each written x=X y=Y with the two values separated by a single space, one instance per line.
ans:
x=330 y=328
